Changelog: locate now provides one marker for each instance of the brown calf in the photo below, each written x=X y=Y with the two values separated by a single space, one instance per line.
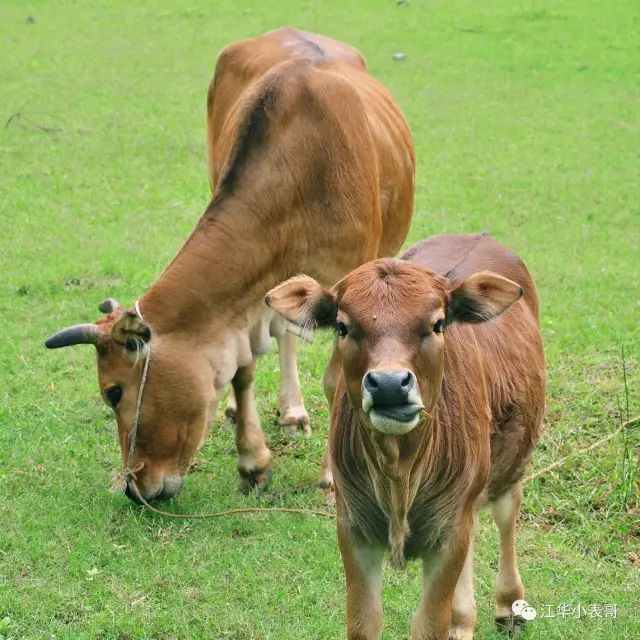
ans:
x=439 y=404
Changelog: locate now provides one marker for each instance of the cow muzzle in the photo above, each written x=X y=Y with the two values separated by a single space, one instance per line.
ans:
x=169 y=488
x=391 y=400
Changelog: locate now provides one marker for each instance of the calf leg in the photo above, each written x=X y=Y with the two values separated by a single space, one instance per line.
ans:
x=329 y=382
x=505 y=511
x=363 y=575
x=292 y=412
x=463 y=613
x=440 y=575
x=254 y=457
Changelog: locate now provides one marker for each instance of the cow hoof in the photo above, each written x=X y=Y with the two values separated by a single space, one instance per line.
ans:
x=256 y=479
x=325 y=481
x=229 y=422
x=511 y=625
x=292 y=425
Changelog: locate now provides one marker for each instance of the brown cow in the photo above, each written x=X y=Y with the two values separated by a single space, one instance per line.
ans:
x=312 y=166
x=438 y=407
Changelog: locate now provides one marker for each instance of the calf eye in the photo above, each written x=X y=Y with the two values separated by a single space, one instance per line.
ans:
x=438 y=326
x=114 y=394
x=341 y=329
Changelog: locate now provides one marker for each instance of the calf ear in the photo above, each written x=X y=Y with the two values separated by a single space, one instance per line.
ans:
x=482 y=296
x=304 y=302
x=131 y=332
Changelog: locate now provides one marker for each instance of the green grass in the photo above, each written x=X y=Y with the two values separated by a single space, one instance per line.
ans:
x=525 y=117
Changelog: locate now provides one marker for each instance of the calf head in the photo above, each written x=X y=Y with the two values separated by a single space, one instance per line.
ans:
x=391 y=317
x=179 y=394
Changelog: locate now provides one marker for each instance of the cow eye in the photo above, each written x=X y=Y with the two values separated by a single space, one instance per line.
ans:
x=341 y=329
x=438 y=327
x=114 y=394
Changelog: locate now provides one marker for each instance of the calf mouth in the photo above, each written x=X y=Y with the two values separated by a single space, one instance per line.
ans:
x=395 y=420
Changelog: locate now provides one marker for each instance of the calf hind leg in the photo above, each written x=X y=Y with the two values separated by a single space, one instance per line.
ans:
x=509 y=588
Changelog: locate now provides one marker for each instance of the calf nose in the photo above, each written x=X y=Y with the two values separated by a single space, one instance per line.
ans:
x=389 y=387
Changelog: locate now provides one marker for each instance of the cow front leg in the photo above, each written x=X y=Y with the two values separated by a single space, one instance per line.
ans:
x=363 y=576
x=441 y=571
x=254 y=457
x=293 y=415
x=505 y=510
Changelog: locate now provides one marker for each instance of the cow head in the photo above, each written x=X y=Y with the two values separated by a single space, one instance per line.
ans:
x=391 y=317
x=179 y=394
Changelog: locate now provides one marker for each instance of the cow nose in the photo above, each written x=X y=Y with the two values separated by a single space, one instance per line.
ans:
x=128 y=491
x=389 y=387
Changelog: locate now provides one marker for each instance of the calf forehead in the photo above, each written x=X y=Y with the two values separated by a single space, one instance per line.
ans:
x=391 y=289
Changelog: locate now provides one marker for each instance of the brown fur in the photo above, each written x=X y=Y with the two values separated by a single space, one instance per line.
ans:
x=312 y=167
x=481 y=382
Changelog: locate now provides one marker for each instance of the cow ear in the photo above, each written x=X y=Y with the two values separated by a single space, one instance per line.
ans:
x=482 y=296
x=131 y=332
x=304 y=302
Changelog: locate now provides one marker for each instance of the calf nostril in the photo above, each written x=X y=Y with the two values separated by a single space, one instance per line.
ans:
x=408 y=382
x=370 y=382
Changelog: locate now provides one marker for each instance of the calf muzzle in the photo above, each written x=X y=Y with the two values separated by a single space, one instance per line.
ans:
x=391 y=400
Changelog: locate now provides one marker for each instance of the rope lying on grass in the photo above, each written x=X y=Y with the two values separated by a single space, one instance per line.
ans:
x=227 y=512
x=329 y=514
x=625 y=425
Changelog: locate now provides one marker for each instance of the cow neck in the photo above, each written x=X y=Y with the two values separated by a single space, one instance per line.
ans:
x=221 y=274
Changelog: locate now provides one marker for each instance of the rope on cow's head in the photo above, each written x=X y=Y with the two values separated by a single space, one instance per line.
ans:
x=127 y=476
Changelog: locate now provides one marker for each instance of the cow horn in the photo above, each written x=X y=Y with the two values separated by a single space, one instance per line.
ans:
x=77 y=334
x=109 y=305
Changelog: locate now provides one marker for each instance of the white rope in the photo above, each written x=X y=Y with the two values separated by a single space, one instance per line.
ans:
x=129 y=472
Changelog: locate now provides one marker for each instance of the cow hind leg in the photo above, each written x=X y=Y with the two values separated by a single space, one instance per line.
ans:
x=505 y=509
x=230 y=410
x=293 y=415
x=329 y=381
x=254 y=457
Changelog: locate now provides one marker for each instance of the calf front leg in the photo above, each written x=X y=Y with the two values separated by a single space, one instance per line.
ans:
x=363 y=575
x=509 y=588
x=440 y=574
x=254 y=457
x=293 y=415
x=463 y=611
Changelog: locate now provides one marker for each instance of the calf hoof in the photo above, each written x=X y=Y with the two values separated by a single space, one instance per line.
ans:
x=294 y=423
x=254 y=479
x=511 y=625
x=459 y=632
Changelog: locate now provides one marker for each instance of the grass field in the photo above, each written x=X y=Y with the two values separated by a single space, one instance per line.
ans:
x=525 y=117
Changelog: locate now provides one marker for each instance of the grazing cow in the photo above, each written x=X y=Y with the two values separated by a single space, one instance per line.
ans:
x=438 y=407
x=312 y=166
